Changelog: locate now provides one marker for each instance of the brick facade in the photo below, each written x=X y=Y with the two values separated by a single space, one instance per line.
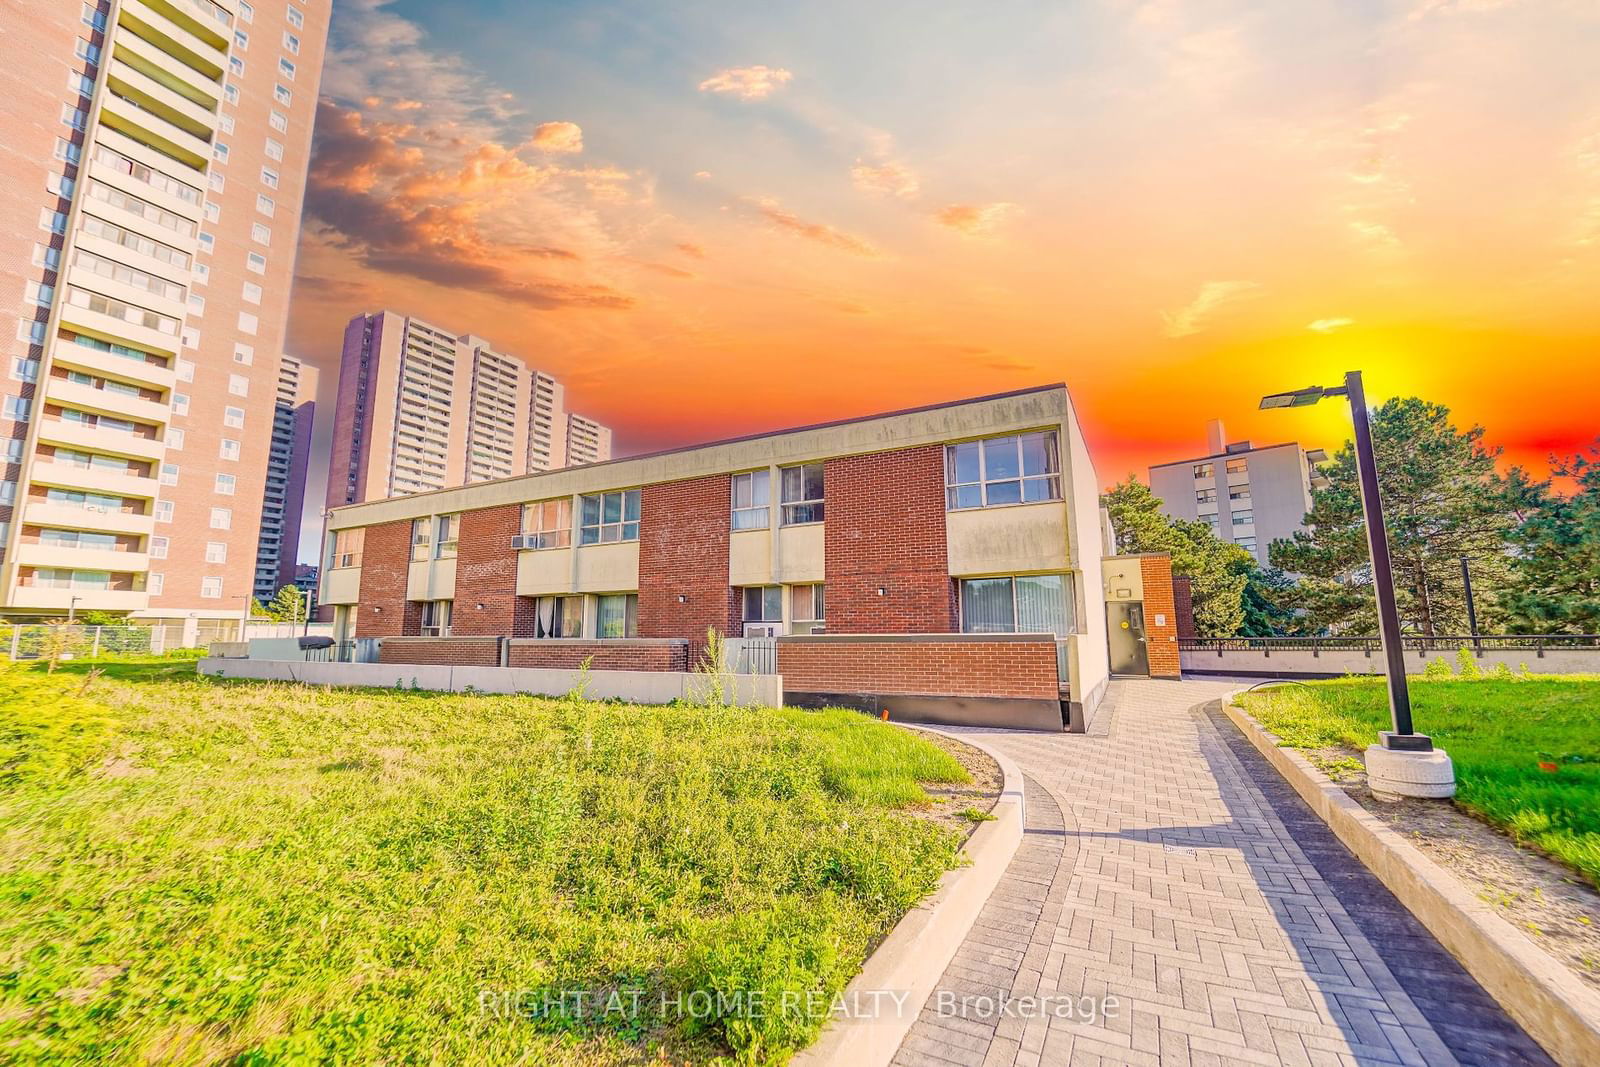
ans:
x=683 y=551
x=385 y=561
x=1160 y=616
x=607 y=655
x=486 y=573
x=441 y=651
x=969 y=666
x=1183 y=605
x=886 y=530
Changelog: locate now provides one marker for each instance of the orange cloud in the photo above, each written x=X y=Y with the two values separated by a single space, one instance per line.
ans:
x=975 y=220
x=747 y=83
x=557 y=137
x=888 y=179
x=822 y=233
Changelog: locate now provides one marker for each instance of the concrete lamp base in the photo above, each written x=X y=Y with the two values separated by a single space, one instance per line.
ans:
x=1398 y=773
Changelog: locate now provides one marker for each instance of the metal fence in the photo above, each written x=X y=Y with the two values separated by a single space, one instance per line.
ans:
x=1372 y=646
x=752 y=655
x=26 y=641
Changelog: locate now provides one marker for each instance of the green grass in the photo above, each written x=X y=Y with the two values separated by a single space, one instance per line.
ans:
x=1496 y=731
x=195 y=871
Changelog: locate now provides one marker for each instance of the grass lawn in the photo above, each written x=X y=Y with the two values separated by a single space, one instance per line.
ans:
x=194 y=871
x=1496 y=731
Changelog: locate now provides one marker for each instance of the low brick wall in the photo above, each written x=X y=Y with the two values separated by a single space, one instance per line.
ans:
x=441 y=651
x=624 y=654
x=1020 y=666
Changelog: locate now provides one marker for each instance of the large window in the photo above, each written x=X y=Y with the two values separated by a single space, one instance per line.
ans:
x=1019 y=469
x=802 y=494
x=617 y=615
x=610 y=517
x=1204 y=470
x=752 y=495
x=1028 y=604
x=347 y=545
x=805 y=607
x=1238 y=466
x=436 y=618
x=547 y=524
x=763 y=603
x=421 y=540
x=447 y=536
x=1243 y=518
x=558 y=616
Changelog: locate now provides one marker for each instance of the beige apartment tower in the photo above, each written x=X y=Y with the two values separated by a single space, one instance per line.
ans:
x=151 y=176
x=421 y=408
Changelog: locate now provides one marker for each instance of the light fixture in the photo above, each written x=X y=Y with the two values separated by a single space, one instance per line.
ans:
x=882 y=591
x=480 y=606
x=683 y=598
x=1299 y=398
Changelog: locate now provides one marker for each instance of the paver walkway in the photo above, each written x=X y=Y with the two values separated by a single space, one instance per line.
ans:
x=1165 y=864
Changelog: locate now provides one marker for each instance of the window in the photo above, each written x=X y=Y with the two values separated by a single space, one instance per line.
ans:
x=1204 y=470
x=1205 y=496
x=1018 y=469
x=231 y=93
x=296 y=19
x=260 y=234
x=16 y=408
x=421 y=540
x=8 y=492
x=54 y=221
x=246 y=12
x=1244 y=518
x=236 y=65
x=436 y=618
x=226 y=125
x=180 y=403
x=222 y=518
x=266 y=205
x=169 y=473
x=617 y=615
x=225 y=484
x=233 y=417
x=238 y=385
x=447 y=535
x=25 y=370
x=228 y=449
x=174 y=439
x=802 y=493
x=212 y=211
x=347 y=545
x=41 y=295
x=609 y=517
x=46 y=257
x=279 y=121
x=243 y=353
x=547 y=524
x=31 y=332
x=67 y=151
x=241 y=40
x=219 y=152
x=76 y=117
x=211 y=588
x=286 y=68
x=216 y=552
x=158 y=547
x=805 y=605
x=208 y=242
x=1031 y=604
x=81 y=84
x=256 y=263
x=269 y=177
x=752 y=494
x=558 y=616
x=93 y=16
x=1247 y=543
x=202 y=273
x=1239 y=492
x=13 y=451
x=197 y=304
x=248 y=324
x=185 y=370
x=1237 y=466
x=155 y=583
x=274 y=150
x=282 y=95
x=163 y=511
x=84 y=50
x=763 y=603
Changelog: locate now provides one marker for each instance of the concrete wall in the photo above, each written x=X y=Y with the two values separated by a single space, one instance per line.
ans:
x=1325 y=663
x=639 y=687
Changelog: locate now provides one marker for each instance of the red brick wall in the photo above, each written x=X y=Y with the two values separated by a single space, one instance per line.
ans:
x=1183 y=605
x=964 y=666
x=683 y=551
x=609 y=655
x=1158 y=600
x=385 y=559
x=441 y=651
x=886 y=528
x=486 y=573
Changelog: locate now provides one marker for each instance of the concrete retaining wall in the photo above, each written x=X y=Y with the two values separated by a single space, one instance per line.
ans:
x=639 y=687
x=1336 y=664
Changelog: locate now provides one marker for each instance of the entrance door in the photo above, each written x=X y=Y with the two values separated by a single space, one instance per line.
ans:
x=1130 y=654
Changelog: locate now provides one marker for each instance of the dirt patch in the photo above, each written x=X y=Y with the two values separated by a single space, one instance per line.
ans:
x=1538 y=895
x=951 y=800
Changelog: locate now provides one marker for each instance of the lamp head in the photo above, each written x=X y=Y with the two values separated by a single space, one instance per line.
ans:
x=1299 y=398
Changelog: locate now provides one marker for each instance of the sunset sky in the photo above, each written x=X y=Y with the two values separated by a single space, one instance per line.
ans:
x=713 y=218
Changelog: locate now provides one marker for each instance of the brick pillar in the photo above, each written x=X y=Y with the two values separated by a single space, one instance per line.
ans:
x=1183 y=605
x=886 y=530
x=1160 y=616
x=382 y=609
x=683 y=552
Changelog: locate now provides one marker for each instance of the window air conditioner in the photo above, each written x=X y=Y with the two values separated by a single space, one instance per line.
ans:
x=524 y=540
x=762 y=629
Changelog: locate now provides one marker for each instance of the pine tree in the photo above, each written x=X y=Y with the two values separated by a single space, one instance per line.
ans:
x=1556 y=572
x=288 y=605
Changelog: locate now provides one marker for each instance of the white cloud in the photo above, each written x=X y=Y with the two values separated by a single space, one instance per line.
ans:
x=1212 y=298
x=1329 y=325
x=888 y=179
x=747 y=83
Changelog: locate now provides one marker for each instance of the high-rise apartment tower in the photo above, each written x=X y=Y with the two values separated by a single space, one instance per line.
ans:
x=292 y=417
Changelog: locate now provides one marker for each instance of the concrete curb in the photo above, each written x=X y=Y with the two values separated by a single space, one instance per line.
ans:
x=1552 y=1005
x=912 y=959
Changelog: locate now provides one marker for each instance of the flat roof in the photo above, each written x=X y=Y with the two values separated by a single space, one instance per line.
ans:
x=1230 y=455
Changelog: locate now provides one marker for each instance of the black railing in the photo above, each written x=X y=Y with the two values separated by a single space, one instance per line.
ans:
x=1536 y=643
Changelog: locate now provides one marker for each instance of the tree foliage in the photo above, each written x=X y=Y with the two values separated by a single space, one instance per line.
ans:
x=1556 y=568
x=1218 y=571
x=288 y=605
x=1443 y=499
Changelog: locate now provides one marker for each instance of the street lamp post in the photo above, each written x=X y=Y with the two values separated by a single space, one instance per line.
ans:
x=1420 y=774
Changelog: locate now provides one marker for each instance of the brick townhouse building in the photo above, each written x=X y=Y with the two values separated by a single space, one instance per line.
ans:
x=979 y=517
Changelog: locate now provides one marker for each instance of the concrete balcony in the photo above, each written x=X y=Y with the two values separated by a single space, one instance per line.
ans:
x=82 y=559
x=142 y=299
x=143 y=125
x=66 y=517
x=45 y=598
x=158 y=99
x=107 y=402
x=111 y=365
x=95 y=479
x=208 y=53
x=109 y=328
x=92 y=439
x=121 y=253
x=140 y=53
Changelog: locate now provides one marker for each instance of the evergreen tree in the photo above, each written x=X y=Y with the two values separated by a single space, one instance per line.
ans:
x=1266 y=592
x=1556 y=571
x=1217 y=570
x=1443 y=499
x=288 y=605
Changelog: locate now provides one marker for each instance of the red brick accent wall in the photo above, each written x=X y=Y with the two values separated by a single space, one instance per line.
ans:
x=385 y=559
x=967 y=666
x=1158 y=600
x=609 y=655
x=486 y=573
x=441 y=651
x=1183 y=605
x=683 y=551
x=886 y=528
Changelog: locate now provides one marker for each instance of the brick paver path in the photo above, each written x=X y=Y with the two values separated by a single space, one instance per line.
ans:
x=1165 y=864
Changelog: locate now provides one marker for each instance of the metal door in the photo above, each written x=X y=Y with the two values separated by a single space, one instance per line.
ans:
x=1130 y=653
